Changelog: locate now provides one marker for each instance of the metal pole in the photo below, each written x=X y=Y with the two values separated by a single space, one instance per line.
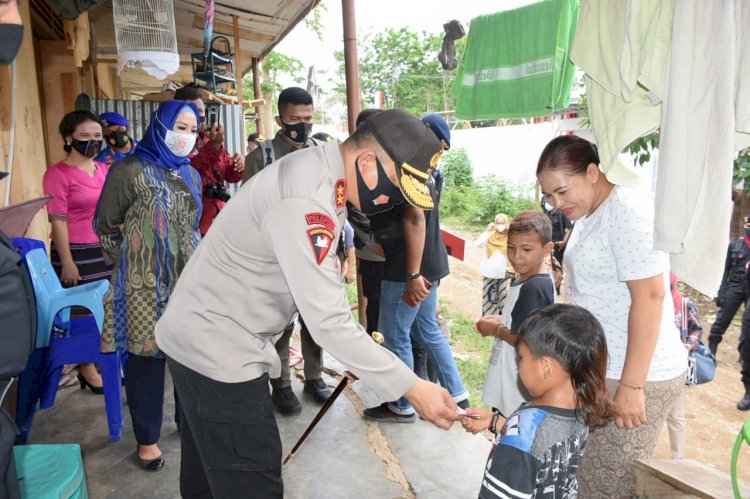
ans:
x=256 y=95
x=350 y=62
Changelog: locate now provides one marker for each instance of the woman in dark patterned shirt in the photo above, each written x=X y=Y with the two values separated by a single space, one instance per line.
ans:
x=147 y=219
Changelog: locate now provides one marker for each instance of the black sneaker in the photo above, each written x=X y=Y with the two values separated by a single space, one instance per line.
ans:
x=744 y=403
x=382 y=414
x=318 y=389
x=286 y=401
x=464 y=404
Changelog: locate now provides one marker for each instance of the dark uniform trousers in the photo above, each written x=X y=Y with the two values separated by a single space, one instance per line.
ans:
x=311 y=352
x=734 y=296
x=372 y=284
x=144 y=386
x=230 y=442
x=744 y=348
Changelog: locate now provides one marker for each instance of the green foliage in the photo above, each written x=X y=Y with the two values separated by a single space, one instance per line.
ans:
x=642 y=147
x=472 y=352
x=314 y=21
x=456 y=168
x=479 y=203
x=741 y=173
x=274 y=66
x=403 y=65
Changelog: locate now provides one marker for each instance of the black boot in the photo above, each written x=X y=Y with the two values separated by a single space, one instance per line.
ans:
x=318 y=389
x=285 y=401
x=744 y=403
x=713 y=345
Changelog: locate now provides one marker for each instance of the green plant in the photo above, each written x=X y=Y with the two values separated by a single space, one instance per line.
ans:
x=472 y=353
x=741 y=172
x=477 y=205
x=642 y=147
x=456 y=169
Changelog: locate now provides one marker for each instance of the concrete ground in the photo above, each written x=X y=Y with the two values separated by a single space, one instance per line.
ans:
x=345 y=456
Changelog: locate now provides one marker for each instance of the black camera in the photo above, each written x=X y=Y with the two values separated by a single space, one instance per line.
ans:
x=218 y=191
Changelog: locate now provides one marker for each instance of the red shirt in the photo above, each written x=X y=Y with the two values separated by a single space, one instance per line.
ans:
x=75 y=194
x=215 y=166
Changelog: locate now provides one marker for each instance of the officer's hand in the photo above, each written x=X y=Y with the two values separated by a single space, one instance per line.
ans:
x=378 y=249
x=433 y=403
x=216 y=135
x=719 y=300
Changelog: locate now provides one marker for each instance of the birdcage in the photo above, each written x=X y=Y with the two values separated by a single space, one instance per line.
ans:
x=146 y=37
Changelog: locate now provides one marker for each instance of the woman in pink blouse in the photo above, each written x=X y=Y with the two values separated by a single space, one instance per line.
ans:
x=75 y=184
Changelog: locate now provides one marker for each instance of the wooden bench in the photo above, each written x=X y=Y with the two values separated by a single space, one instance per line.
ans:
x=683 y=478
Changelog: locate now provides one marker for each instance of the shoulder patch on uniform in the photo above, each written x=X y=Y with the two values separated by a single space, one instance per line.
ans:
x=320 y=240
x=340 y=193
x=320 y=219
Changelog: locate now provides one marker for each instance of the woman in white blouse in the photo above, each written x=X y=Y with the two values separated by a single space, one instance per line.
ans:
x=613 y=271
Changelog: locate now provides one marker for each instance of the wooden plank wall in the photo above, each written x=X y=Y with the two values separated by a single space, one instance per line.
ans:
x=29 y=161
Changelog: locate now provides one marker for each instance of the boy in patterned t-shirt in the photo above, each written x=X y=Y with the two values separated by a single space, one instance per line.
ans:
x=562 y=360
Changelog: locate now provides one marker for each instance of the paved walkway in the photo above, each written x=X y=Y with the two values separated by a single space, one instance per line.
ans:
x=344 y=457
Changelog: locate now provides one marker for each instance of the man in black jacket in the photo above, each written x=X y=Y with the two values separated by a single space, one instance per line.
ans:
x=733 y=291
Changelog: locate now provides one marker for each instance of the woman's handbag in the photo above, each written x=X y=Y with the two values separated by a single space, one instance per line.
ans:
x=701 y=362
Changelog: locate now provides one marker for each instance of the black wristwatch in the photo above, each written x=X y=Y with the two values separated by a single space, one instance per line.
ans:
x=413 y=277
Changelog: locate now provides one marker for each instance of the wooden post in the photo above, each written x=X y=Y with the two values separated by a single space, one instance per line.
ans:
x=351 y=65
x=351 y=68
x=238 y=78
x=259 y=125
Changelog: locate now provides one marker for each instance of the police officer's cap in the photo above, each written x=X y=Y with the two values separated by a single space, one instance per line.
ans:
x=413 y=147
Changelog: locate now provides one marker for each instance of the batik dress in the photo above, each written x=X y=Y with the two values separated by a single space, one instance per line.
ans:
x=147 y=219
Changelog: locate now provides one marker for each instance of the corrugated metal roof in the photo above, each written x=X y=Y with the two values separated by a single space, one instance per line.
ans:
x=138 y=114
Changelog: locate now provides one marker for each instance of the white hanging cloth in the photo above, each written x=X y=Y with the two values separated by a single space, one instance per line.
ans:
x=158 y=64
x=641 y=75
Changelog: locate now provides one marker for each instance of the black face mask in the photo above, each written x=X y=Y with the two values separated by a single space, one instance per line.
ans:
x=382 y=198
x=11 y=36
x=747 y=231
x=297 y=132
x=121 y=139
x=88 y=148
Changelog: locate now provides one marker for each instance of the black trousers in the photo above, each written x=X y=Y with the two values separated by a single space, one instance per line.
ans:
x=372 y=279
x=744 y=348
x=230 y=442
x=144 y=386
x=733 y=298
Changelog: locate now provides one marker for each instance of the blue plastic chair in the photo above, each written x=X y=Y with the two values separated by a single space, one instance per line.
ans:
x=52 y=298
x=75 y=341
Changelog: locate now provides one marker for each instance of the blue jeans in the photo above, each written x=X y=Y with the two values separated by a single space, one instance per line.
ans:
x=399 y=322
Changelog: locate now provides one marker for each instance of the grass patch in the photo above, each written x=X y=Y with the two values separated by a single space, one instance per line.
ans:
x=472 y=352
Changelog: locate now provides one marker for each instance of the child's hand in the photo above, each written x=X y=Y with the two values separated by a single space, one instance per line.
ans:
x=487 y=325
x=476 y=425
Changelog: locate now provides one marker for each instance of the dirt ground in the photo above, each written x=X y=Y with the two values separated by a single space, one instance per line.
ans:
x=712 y=418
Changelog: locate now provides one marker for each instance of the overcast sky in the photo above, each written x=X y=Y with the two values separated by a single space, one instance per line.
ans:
x=377 y=15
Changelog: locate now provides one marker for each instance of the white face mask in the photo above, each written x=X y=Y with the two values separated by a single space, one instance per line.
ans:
x=181 y=144
x=500 y=227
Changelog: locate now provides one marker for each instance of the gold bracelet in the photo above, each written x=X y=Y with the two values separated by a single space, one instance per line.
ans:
x=497 y=331
x=632 y=387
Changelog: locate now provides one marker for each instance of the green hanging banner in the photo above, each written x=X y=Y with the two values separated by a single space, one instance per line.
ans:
x=516 y=63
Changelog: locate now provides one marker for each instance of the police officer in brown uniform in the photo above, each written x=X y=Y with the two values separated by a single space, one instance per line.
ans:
x=270 y=254
x=295 y=106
